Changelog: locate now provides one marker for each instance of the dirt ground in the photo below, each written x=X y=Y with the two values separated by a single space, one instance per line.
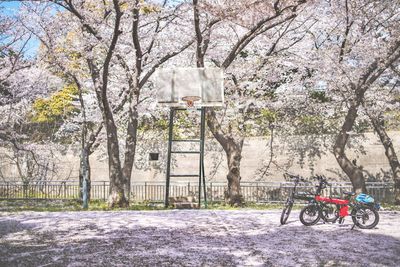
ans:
x=191 y=238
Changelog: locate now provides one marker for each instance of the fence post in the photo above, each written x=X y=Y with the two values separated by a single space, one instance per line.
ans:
x=257 y=193
x=104 y=190
x=8 y=190
x=383 y=193
x=145 y=191
x=211 y=192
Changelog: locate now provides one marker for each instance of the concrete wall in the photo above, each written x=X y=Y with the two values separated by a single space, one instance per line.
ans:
x=256 y=152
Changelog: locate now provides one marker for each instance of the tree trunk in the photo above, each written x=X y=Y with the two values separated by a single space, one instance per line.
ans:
x=130 y=148
x=233 y=150
x=390 y=154
x=117 y=196
x=353 y=172
x=84 y=173
x=234 y=154
x=84 y=166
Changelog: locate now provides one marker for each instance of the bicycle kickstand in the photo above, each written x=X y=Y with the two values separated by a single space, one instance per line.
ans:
x=354 y=225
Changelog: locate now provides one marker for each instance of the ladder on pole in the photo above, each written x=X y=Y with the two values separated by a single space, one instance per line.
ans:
x=200 y=152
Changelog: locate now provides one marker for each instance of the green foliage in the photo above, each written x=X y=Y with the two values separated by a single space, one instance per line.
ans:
x=268 y=115
x=147 y=124
x=55 y=108
x=320 y=96
x=148 y=8
x=310 y=120
x=264 y=119
x=310 y=124
x=184 y=125
x=162 y=124
x=270 y=94
x=392 y=120
x=362 y=126
x=243 y=54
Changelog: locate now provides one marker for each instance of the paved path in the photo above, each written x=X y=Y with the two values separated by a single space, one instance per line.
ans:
x=191 y=238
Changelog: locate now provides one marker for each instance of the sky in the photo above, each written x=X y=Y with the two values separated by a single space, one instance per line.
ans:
x=10 y=8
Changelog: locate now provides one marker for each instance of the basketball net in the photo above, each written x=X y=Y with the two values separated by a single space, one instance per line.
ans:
x=190 y=103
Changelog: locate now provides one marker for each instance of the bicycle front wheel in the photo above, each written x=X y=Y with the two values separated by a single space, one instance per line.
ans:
x=329 y=212
x=286 y=211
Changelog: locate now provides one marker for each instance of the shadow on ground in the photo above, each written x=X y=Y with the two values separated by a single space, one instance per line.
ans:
x=188 y=238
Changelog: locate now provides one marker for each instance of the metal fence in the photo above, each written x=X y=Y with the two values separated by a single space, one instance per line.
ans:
x=258 y=192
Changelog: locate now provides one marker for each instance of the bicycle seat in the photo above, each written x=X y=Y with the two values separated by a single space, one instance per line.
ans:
x=349 y=193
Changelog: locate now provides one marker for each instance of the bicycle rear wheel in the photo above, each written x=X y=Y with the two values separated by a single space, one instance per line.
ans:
x=286 y=211
x=310 y=215
x=365 y=217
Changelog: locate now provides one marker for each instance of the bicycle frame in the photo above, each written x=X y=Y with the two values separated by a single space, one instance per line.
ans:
x=342 y=203
x=298 y=195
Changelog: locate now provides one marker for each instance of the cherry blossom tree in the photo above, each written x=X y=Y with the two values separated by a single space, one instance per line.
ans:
x=131 y=49
x=265 y=18
x=359 y=43
x=379 y=106
x=21 y=81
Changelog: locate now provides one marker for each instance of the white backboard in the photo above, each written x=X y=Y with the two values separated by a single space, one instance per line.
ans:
x=174 y=84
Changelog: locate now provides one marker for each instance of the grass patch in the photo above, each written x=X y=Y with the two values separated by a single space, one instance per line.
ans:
x=390 y=207
x=65 y=205
x=100 y=205
x=250 y=205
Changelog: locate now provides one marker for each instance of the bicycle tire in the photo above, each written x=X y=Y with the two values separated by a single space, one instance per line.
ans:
x=286 y=212
x=329 y=213
x=363 y=216
x=310 y=209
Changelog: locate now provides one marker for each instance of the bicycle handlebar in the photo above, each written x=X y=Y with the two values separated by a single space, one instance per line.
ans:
x=297 y=177
x=322 y=179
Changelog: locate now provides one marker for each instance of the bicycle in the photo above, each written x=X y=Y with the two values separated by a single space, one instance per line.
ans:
x=290 y=200
x=364 y=209
x=312 y=213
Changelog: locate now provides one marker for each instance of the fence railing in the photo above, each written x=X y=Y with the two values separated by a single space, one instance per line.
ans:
x=259 y=192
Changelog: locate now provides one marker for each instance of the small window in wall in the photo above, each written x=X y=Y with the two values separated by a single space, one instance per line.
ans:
x=153 y=156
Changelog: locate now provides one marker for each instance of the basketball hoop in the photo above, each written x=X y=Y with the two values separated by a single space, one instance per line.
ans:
x=184 y=87
x=190 y=101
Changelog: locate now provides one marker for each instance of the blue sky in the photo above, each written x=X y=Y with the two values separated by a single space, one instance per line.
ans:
x=10 y=8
